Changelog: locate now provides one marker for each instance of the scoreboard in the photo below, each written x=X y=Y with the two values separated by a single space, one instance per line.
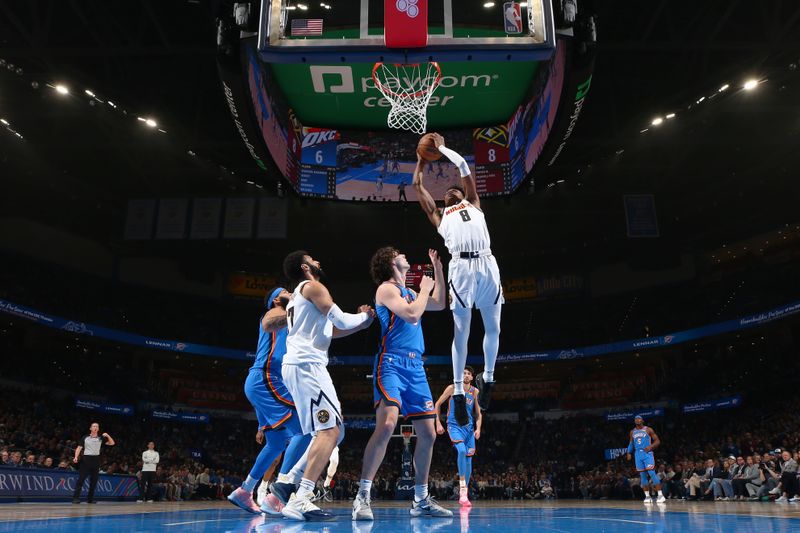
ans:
x=492 y=160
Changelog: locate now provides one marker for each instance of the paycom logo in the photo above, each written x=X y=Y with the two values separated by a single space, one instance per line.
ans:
x=331 y=79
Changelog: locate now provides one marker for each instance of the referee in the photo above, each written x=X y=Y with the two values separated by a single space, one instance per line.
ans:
x=88 y=453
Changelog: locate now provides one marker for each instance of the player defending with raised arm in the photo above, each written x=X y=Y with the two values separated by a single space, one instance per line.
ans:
x=474 y=275
x=643 y=441
x=313 y=319
x=463 y=437
x=400 y=382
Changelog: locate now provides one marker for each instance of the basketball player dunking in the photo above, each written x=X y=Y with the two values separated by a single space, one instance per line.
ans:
x=400 y=382
x=643 y=441
x=463 y=437
x=313 y=319
x=474 y=275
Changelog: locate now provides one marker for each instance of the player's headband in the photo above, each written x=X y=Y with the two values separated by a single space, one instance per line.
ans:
x=272 y=297
x=639 y=417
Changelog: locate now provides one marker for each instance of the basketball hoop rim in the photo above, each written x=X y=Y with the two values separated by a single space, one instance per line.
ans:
x=388 y=92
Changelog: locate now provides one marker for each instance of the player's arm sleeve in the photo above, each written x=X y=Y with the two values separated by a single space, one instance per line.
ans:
x=630 y=446
x=346 y=321
x=456 y=159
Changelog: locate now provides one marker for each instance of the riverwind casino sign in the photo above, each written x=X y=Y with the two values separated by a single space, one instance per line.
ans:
x=34 y=484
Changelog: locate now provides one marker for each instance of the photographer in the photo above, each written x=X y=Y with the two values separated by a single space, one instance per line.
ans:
x=769 y=470
x=88 y=454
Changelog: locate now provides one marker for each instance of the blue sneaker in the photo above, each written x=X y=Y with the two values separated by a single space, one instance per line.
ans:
x=283 y=491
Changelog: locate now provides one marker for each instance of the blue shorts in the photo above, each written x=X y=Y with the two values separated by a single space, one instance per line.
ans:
x=272 y=402
x=465 y=434
x=401 y=381
x=645 y=461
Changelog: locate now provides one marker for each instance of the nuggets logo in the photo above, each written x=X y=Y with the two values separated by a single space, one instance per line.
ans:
x=323 y=416
x=497 y=135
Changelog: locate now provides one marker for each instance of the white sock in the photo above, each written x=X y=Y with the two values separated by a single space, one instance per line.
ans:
x=284 y=478
x=420 y=492
x=458 y=387
x=491 y=339
x=660 y=493
x=365 y=487
x=299 y=468
x=249 y=483
x=462 y=483
x=306 y=488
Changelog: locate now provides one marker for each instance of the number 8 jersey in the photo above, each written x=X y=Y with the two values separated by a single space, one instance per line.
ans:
x=463 y=228
x=474 y=276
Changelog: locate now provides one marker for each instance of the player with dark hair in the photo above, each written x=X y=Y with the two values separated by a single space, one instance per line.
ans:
x=643 y=441
x=474 y=275
x=313 y=319
x=399 y=379
x=463 y=436
x=275 y=411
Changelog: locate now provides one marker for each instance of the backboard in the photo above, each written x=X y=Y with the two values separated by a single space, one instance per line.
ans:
x=360 y=30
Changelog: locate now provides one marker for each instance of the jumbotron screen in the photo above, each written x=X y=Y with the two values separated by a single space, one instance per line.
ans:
x=377 y=165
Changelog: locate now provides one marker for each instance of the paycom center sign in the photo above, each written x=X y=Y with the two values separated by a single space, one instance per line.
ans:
x=469 y=93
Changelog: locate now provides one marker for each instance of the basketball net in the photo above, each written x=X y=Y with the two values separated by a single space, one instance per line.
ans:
x=409 y=89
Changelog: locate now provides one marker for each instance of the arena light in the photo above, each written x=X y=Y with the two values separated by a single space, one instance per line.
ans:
x=749 y=85
x=657 y=121
x=88 y=92
x=723 y=88
x=701 y=99
x=112 y=104
x=670 y=115
x=303 y=7
x=61 y=89
x=4 y=121
x=488 y=4
x=150 y=122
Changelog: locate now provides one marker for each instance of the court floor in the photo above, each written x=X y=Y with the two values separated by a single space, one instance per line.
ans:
x=498 y=517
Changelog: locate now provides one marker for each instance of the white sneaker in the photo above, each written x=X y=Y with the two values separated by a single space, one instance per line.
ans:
x=304 y=509
x=361 y=508
x=261 y=493
x=661 y=499
x=794 y=499
x=429 y=507
x=782 y=499
x=648 y=499
x=776 y=490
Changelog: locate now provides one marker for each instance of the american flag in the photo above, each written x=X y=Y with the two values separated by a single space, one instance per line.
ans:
x=307 y=27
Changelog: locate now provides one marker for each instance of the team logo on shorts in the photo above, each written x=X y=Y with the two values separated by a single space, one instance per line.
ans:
x=429 y=405
x=323 y=416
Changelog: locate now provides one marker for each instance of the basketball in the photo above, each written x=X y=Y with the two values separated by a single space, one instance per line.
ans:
x=427 y=148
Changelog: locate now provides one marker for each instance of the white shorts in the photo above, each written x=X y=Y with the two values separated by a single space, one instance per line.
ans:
x=314 y=397
x=474 y=282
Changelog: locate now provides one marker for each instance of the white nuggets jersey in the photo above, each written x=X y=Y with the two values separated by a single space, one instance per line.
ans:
x=463 y=228
x=309 y=331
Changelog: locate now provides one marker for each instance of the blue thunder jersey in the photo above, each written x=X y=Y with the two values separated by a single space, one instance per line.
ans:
x=399 y=337
x=270 y=350
x=641 y=439
x=469 y=396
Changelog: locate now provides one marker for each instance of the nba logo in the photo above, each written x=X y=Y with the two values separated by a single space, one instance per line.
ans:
x=512 y=17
